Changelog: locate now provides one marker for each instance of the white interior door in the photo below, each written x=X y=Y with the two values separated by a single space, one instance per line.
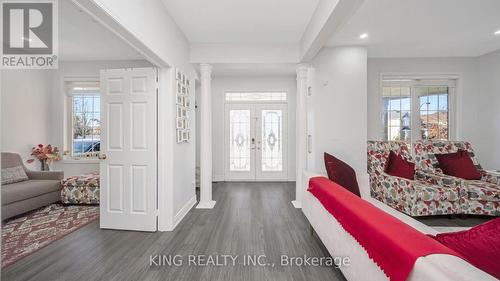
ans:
x=128 y=149
x=255 y=142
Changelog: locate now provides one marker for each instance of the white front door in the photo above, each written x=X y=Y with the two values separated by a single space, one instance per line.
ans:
x=128 y=149
x=255 y=142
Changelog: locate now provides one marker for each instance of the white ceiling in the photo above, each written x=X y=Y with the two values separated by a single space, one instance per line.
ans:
x=83 y=39
x=242 y=21
x=424 y=28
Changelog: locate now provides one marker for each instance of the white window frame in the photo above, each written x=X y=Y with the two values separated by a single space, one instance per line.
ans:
x=70 y=92
x=285 y=100
x=452 y=81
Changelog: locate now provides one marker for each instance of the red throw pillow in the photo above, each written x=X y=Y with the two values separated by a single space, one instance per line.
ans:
x=399 y=167
x=458 y=164
x=341 y=173
x=480 y=245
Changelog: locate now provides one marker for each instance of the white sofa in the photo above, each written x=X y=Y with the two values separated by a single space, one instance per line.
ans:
x=341 y=244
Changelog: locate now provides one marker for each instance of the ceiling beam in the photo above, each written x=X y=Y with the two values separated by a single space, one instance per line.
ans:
x=329 y=16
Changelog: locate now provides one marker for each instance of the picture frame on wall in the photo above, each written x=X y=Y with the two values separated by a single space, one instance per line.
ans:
x=178 y=74
x=180 y=123
x=185 y=135
x=184 y=113
x=179 y=136
x=179 y=112
x=179 y=88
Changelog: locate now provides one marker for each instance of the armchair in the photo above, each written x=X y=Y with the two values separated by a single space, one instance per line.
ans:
x=412 y=197
x=479 y=197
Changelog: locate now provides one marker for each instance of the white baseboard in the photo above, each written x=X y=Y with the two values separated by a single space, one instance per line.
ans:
x=183 y=211
x=297 y=204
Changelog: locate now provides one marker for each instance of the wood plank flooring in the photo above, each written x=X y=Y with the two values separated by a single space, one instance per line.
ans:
x=248 y=219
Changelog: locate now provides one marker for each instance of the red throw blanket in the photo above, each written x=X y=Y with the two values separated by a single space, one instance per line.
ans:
x=392 y=244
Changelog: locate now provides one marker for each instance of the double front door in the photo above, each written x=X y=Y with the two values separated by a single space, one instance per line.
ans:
x=255 y=142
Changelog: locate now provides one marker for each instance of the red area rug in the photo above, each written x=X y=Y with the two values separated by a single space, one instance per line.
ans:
x=28 y=233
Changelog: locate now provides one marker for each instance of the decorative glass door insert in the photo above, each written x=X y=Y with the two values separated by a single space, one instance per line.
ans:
x=255 y=142
x=239 y=145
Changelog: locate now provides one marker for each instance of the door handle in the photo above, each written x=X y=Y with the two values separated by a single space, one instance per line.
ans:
x=102 y=156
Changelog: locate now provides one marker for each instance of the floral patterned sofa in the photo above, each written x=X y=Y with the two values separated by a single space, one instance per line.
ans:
x=413 y=197
x=82 y=189
x=479 y=197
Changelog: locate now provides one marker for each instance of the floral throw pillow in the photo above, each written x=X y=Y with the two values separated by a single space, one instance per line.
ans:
x=13 y=174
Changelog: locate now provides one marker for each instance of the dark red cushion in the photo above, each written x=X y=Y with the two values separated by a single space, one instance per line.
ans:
x=480 y=245
x=341 y=173
x=458 y=164
x=397 y=166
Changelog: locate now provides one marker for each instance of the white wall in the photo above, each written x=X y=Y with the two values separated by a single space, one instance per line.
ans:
x=26 y=110
x=466 y=106
x=487 y=146
x=223 y=84
x=337 y=108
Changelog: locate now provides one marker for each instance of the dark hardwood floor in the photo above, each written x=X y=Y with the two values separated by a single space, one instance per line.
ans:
x=248 y=219
x=455 y=221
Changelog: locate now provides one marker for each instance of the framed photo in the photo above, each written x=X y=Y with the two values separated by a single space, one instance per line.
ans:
x=185 y=135
x=186 y=101
x=180 y=123
x=179 y=136
x=179 y=111
x=178 y=74
x=179 y=88
x=184 y=113
x=184 y=90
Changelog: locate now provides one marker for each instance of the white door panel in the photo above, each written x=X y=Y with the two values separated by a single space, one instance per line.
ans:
x=128 y=139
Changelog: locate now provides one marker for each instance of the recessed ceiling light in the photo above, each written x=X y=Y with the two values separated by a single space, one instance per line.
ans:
x=363 y=36
x=497 y=32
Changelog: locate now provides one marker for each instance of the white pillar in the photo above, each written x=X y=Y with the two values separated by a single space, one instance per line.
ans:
x=301 y=133
x=206 y=201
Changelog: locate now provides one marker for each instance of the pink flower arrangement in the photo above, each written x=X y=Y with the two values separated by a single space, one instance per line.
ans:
x=44 y=153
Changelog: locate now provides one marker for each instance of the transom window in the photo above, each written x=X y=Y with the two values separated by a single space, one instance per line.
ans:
x=84 y=119
x=416 y=109
x=256 y=96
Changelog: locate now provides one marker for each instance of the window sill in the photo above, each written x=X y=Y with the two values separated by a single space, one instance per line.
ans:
x=80 y=161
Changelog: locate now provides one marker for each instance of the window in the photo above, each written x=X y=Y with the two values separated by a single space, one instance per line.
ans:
x=84 y=120
x=416 y=109
x=433 y=112
x=256 y=96
x=397 y=113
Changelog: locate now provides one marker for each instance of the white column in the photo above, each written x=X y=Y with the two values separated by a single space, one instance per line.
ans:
x=301 y=133
x=206 y=201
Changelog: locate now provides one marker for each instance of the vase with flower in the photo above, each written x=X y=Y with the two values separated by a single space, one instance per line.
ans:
x=45 y=154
